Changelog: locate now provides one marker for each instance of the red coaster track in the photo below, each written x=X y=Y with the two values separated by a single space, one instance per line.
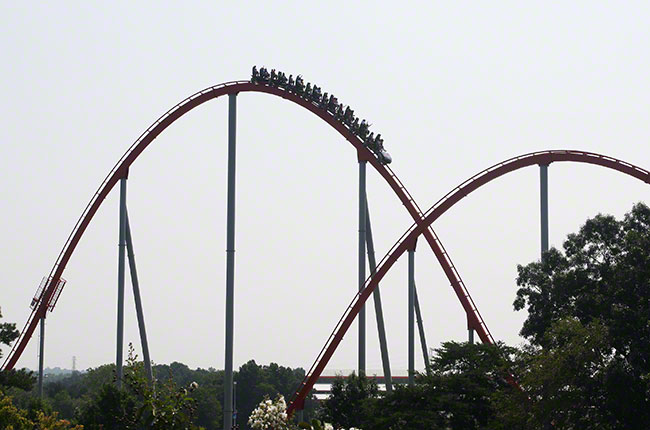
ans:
x=424 y=226
x=120 y=169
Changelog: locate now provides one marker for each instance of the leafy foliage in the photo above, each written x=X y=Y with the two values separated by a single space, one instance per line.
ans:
x=8 y=333
x=23 y=379
x=588 y=313
x=456 y=394
x=13 y=418
x=140 y=405
x=350 y=396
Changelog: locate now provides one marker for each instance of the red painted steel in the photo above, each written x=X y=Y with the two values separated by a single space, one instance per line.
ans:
x=121 y=169
x=418 y=228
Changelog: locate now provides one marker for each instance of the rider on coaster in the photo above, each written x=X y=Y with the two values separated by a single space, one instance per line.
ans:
x=299 y=84
x=363 y=129
x=332 y=104
x=370 y=140
x=379 y=142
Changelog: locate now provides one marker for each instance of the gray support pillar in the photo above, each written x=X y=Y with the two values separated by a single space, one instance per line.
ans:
x=379 y=314
x=543 y=194
x=41 y=355
x=138 y=301
x=120 y=284
x=411 y=313
x=423 y=340
x=230 y=264
x=362 y=264
x=470 y=329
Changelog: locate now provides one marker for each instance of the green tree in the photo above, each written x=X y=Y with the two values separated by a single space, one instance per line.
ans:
x=589 y=358
x=165 y=406
x=22 y=378
x=349 y=399
x=255 y=382
x=8 y=333
x=14 y=418
x=458 y=392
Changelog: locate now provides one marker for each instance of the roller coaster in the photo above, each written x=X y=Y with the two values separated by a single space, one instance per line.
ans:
x=369 y=151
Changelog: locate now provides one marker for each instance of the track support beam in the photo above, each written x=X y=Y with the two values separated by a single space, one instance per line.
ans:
x=362 y=264
x=543 y=200
x=470 y=333
x=411 y=316
x=423 y=340
x=41 y=355
x=138 y=301
x=228 y=416
x=379 y=314
x=120 y=285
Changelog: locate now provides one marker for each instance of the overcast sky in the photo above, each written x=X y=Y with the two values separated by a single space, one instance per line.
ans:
x=453 y=87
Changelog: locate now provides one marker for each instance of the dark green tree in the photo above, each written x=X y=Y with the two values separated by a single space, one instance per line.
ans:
x=458 y=392
x=8 y=333
x=349 y=399
x=588 y=316
x=22 y=379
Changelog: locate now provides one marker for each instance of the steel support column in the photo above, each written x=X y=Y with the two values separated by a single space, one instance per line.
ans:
x=423 y=340
x=41 y=354
x=411 y=313
x=362 y=264
x=120 y=284
x=543 y=199
x=138 y=301
x=379 y=314
x=230 y=264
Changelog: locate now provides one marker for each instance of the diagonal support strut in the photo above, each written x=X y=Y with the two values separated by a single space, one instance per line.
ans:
x=381 y=330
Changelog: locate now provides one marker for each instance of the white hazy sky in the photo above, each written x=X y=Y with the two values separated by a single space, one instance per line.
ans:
x=452 y=86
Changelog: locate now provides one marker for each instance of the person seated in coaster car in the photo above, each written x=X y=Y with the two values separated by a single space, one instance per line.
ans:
x=348 y=115
x=339 y=112
x=379 y=143
x=274 y=77
x=369 y=141
x=300 y=85
x=255 y=75
x=264 y=74
x=323 y=101
x=291 y=84
x=282 y=80
x=355 y=126
x=363 y=130
x=332 y=104
x=316 y=94
x=308 y=90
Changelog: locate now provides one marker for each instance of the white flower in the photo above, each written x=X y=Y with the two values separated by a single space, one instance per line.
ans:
x=269 y=415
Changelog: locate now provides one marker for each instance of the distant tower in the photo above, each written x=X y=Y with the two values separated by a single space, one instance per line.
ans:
x=74 y=364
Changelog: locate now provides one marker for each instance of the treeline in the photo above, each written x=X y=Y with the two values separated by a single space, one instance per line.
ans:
x=90 y=399
x=585 y=363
